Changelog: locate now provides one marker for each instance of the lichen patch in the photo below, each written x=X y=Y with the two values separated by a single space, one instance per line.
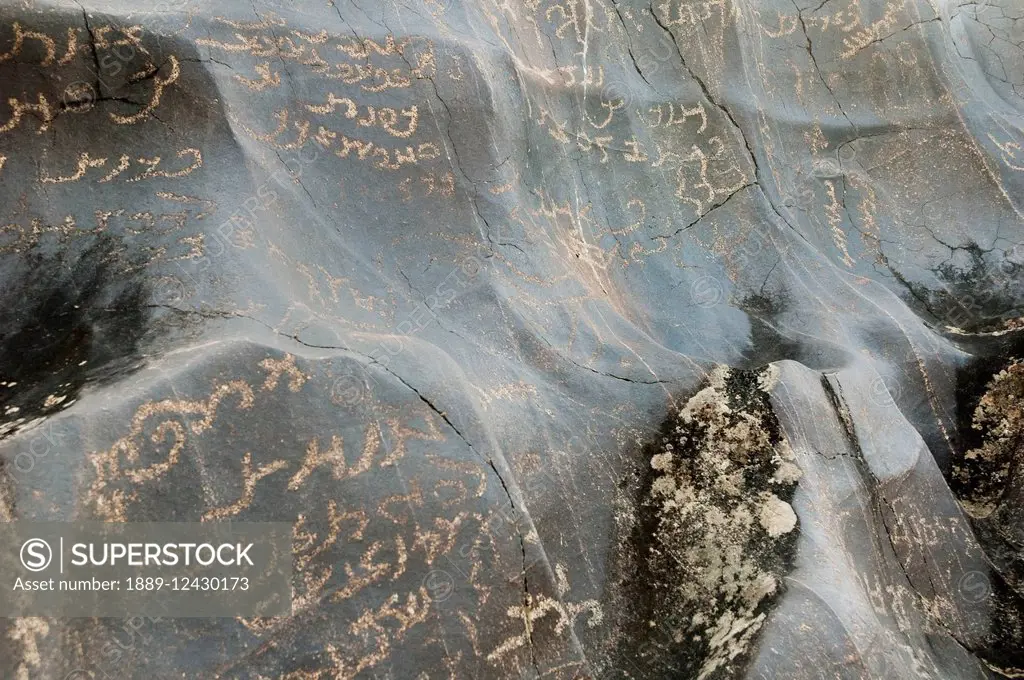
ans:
x=776 y=516
x=716 y=531
x=982 y=476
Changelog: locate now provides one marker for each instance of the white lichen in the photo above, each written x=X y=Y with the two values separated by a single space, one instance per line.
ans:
x=717 y=494
x=982 y=474
x=777 y=516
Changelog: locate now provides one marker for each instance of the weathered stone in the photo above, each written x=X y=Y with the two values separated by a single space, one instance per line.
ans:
x=437 y=281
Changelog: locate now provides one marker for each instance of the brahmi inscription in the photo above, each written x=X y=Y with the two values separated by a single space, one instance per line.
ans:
x=419 y=279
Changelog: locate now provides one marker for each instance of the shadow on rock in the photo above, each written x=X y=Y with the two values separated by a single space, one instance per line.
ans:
x=65 y=321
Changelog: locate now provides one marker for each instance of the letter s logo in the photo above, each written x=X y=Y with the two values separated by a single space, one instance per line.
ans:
x=36 y=554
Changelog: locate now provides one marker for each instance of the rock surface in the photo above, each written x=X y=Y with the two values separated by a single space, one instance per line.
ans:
x=437 y=281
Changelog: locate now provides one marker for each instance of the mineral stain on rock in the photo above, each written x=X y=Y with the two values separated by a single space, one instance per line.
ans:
x=715 y=532
x=980 y=293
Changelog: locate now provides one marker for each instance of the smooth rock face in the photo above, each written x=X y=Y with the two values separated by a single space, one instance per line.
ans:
x=436 y=281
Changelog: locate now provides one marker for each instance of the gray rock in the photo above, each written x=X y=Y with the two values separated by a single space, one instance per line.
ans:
x=433 y=281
